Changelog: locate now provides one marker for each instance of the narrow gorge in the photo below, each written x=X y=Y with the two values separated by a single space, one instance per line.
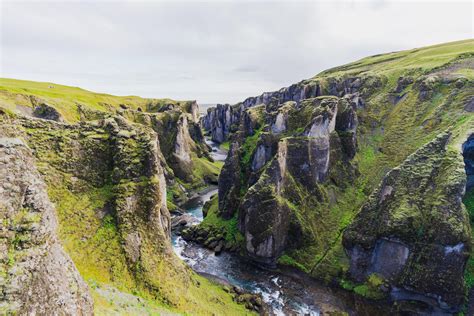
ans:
x=349 y=193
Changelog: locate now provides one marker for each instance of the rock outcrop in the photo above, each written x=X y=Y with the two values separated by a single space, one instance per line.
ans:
x=405 y=235
x=269 y=218
x=273 y=163
x=222 y=120
x=181 y=140
x=47 y=112
x=38 y=276
x=301 y=168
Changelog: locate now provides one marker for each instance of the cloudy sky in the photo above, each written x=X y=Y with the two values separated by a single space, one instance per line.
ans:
x=210 y=51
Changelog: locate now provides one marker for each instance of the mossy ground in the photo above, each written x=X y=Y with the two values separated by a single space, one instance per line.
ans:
x=90 y=234
x=228 y=228
x=469 y=203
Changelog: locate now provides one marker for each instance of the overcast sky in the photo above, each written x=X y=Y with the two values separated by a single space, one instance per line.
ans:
x=210 y=51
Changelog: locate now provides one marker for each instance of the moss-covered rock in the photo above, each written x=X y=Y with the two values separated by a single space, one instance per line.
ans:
x=37 y=276
x=388 y=106
x=414 y=229
x=107 y=179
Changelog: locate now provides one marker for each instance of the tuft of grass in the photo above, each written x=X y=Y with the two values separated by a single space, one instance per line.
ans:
x=289 y=261
x=225 y=145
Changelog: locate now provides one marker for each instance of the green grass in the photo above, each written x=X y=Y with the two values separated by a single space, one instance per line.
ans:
x=249 y=146
x=423 y=59
x=65 y=99
x=225 y=145
x=229 y=227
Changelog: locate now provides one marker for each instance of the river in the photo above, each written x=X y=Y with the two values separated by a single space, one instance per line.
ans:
x=286 y=292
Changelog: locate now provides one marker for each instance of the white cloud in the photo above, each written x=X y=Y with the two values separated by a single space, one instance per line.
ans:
x=210 y=51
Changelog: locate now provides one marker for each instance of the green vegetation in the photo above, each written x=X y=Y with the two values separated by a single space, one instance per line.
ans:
x=371 y=289
x=66 y=99
x=249 y=146
x=225 y=145
x=91 y=194
x=468 y=201
x=228 y=228
x=424 y=59
x=469 y=273
x=395 y=120
x=289 y=261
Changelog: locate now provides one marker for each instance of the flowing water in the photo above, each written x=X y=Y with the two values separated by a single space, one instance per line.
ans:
x=287 y=293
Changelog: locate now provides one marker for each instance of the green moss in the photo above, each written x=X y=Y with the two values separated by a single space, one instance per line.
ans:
x=229 y=228
x=249 y=147
x=289 y=261
x=346 y=284
x=225 y=145
x=469 y=272
x=468 y=201
x=371 y=289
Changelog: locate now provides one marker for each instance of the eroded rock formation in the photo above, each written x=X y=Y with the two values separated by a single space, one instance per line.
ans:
x=38 y=276
x=404 y=234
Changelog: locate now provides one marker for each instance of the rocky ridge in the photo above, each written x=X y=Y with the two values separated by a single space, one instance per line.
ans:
x=300 y=168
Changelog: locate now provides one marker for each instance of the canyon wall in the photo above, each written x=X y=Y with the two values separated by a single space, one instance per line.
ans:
x=337 y=174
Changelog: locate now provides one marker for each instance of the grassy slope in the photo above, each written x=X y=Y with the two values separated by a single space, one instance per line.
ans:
x=418 y=59
x=65 y=99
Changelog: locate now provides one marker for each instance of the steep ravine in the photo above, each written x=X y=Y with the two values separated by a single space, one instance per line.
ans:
x=356 y=177
x=286 y=291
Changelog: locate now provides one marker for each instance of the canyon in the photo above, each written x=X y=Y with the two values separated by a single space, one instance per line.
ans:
x=351 y=192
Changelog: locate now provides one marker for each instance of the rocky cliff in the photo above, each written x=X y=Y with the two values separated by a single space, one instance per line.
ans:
x=38 y=277
x=108 y=176
x=414 y=230
x=304 y=161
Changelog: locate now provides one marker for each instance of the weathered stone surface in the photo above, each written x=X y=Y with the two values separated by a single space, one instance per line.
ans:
x=219 y=121
x=229 y=183
x=39 y=277
x=47 y=112
x=428 y=242
x=264 y=219
x=469 y=106
x=178 y=223
x=403 y=83
x=182 y=150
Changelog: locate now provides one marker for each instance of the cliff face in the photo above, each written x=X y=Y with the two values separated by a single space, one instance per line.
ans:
x=38 y=276
x=270 y=174
x=108 y=178
x=295 y=172
x=181 y=142
x=224 y=119
x=414 y=230
x=300 y=168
